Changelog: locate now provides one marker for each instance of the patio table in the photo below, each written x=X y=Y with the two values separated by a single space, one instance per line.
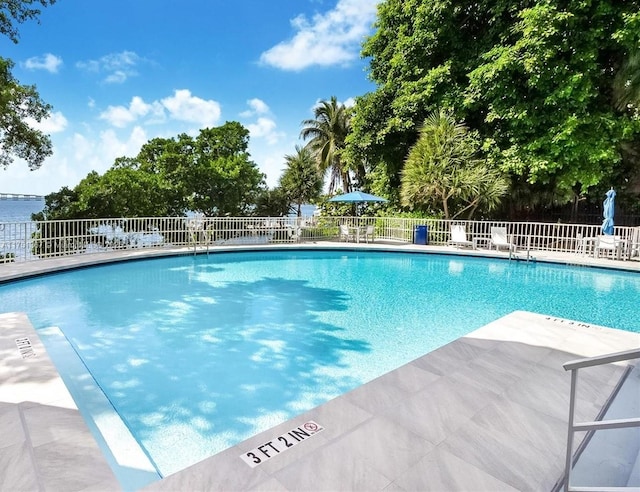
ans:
x=356 y=231
x=484 y=241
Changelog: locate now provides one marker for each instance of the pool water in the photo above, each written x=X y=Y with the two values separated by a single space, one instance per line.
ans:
x=197 y=353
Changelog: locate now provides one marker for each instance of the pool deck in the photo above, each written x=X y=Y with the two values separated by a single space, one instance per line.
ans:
x=485 y=412
x=12 y=271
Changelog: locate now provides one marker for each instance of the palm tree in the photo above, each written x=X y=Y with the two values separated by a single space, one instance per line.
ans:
x=301 y=181
x=441 y=170
x=327 y=133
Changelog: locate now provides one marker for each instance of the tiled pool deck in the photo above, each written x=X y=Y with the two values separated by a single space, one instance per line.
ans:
x=485 y=412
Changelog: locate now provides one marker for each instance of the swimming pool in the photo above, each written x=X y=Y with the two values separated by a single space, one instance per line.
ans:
x=199 y=353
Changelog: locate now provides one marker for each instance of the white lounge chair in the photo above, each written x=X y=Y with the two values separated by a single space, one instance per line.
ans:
x=500 y=239
x=608 y=244
x=459 y=236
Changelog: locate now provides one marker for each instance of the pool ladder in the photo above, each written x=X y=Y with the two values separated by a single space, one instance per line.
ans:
x=514 y=256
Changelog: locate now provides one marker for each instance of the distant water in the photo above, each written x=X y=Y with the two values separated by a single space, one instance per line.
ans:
x=19 y=210
x=14 y=233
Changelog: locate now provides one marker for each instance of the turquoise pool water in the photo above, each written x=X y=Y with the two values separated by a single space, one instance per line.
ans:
x=199 y=353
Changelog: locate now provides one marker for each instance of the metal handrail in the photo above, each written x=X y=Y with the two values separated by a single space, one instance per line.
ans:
x=602 y=359
x=574 y=366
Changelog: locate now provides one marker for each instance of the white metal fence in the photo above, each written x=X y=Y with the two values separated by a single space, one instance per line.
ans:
x=27 y=241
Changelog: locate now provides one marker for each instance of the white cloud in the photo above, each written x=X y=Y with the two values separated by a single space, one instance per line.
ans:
x=350 y=102
x=328 y=39
x=118 y=67
x=74 y=157
x=83 y=153
x=117 y=77
x=121 y=116
x=55 y=123
x=183 y=106
x=118 y=116
x=270 y=159
x=258 y=106
x=47 y=62
x=112 y=146
x=265 y=128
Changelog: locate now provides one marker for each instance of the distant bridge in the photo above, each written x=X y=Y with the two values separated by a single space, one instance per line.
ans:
x=18 y=196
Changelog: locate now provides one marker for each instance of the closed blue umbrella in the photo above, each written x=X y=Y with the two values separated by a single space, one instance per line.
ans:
x=607 y=212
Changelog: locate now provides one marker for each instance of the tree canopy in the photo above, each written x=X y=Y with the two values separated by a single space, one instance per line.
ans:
x=13 y=12
x=535 y=79
x=20 y=105
x=211 y=173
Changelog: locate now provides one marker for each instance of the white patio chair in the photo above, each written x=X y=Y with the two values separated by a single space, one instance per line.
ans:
x=252 y=230
x=459 y=236
x=345 y=233
x=368 y=233
x=294 y=234
x=500 y=239
x=634 y=244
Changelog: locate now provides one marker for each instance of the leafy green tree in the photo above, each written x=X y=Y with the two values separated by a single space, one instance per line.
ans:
x=20 y=103
x=301 y=181
x=14 y=12
x=221 y=179
x=227 y=186
x=442 y=170
x=126 y=192
x=272 y=203
x=535 y=79
x=327 y=133
x=548 y=95
x=167 y=158
x=211 y=173
x=61 y=204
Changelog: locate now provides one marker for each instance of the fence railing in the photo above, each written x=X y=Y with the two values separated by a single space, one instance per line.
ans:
x=27 y=241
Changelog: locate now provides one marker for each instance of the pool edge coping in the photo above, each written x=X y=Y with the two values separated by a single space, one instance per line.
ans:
x=23 y=270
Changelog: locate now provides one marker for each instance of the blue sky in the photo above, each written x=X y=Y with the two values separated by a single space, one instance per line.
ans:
x=122 y=72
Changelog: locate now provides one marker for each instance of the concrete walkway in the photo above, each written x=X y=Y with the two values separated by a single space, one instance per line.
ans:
x=45 y=443
x=485 y=412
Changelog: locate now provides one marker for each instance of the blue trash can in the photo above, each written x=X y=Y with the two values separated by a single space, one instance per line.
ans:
x=421 y=235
